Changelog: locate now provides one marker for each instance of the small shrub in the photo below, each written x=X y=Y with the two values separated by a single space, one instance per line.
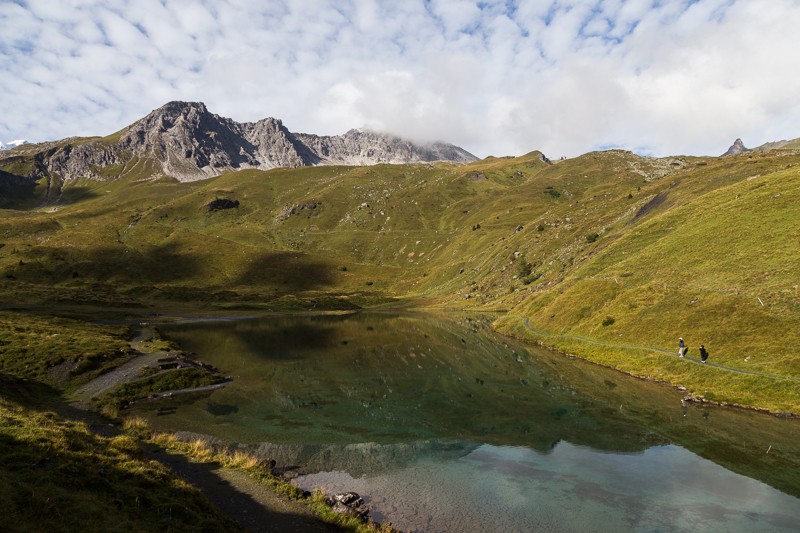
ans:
x=343 y=269
x=592 y=237
x=530 y=278
x=552 y=192
x=369 y=283
x=524 y=269
x=607 y=321
x=540 y=227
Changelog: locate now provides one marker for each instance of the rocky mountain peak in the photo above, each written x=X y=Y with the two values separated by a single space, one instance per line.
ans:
x=186 y=141
x=736 y=148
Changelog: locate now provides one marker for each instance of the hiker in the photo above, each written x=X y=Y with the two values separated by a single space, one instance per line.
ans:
x=703 y=353
x=681 y=347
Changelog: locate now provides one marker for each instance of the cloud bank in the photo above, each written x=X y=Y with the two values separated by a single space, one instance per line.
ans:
x=496 y=77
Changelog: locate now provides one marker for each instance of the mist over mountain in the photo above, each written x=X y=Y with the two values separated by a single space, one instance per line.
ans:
x=186 y=141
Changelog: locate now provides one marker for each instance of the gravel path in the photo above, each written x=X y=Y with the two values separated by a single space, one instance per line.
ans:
x=122 y=374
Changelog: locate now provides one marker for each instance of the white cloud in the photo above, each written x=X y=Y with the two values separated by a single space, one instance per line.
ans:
x=496 y=77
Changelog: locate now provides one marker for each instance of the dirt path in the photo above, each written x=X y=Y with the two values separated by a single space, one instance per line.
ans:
x=653 y=349
x=255 y=507
x=122 y=374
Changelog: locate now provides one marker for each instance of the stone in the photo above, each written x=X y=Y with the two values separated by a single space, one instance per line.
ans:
x=349 y=503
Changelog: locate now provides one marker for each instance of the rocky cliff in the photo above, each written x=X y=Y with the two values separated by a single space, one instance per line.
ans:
x=185 y=141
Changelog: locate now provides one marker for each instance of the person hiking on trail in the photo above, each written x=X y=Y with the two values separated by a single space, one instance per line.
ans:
x=703 y=353
x=681 y=347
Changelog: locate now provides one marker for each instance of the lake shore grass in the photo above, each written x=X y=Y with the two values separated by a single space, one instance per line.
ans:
x=775 y=394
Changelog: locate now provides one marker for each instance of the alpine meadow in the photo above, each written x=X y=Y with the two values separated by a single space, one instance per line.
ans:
x=608 y=257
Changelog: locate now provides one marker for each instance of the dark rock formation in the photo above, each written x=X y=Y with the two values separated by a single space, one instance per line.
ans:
x=222 y=203
x=349 y=503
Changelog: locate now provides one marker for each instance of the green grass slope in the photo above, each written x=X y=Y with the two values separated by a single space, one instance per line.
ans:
x=625 y=250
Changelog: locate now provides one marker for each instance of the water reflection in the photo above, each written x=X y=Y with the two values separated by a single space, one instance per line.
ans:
x=347 y=379
x=370 y=399
x=496 y=488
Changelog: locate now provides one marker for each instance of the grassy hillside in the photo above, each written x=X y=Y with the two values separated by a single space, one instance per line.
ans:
x=57 y=476
x=624 y=250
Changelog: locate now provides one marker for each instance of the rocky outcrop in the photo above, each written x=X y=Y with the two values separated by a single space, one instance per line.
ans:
x=185 y=141
x=736 y=148
x=191 y=143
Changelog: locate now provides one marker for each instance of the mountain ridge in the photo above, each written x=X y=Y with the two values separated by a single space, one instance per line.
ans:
x=185 y=141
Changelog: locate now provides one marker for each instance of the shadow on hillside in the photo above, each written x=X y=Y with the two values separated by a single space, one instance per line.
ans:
x=16 y=192
x=27 y=392
x=104 y=264
x=283 y=272
x=73 y=195
x=290 y=271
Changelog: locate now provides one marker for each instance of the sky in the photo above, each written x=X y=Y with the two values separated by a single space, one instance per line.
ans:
x=497 y=77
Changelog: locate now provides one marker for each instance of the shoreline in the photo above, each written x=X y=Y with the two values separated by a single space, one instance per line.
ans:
x=690 y=397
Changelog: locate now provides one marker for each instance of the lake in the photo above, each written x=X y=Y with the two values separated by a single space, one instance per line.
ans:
x=443 y=425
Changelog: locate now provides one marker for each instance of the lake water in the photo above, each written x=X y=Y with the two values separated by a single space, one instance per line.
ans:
x=443 y=425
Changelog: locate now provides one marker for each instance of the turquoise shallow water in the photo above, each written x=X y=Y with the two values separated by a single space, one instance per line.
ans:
x=496 y=488
x=442 y=425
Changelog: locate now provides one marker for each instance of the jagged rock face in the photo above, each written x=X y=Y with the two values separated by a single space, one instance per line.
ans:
x=364 y=147
x=736 y=148
x=191 y=143
x=184 y=140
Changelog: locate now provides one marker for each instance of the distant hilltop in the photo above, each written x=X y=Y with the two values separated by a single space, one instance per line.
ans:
x=12 y=144
x=738 y=147
x=185 y=141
